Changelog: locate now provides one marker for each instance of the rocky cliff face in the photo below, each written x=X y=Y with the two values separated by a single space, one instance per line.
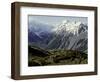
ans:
x=70 y=35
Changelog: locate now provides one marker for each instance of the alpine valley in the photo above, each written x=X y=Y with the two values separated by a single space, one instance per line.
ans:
x=64 y=43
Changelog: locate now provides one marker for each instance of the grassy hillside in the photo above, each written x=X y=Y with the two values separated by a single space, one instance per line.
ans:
x=40 y=57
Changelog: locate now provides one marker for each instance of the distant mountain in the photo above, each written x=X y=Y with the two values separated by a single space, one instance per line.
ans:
x=39 y=34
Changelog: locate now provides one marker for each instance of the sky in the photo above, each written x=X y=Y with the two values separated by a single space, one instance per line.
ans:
x=54 y=20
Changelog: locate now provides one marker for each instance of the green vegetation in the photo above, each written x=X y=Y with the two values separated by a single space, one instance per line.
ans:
x=40 y=57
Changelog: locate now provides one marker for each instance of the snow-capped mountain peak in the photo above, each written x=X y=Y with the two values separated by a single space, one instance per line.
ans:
x=68 y=26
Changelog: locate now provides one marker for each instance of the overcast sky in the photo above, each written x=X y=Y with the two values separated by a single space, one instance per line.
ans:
x=54 y=20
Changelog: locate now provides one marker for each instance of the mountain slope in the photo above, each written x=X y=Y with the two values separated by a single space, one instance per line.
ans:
x=40 y=57
x=70 y=35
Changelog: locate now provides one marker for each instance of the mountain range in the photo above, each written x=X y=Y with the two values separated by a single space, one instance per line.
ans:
x=70 y=35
